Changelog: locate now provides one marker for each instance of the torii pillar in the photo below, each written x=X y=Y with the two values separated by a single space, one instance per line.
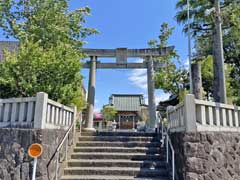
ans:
x=91 y=93
x=151 y=96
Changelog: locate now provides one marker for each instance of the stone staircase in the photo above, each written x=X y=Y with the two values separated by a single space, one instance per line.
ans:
x=116 y=156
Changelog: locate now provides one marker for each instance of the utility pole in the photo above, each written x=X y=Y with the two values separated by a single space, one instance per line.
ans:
x=189 y=48
x=219 y=90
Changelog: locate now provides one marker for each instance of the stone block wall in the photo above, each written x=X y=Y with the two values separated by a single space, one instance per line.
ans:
x=15 y=164
x=207 y=155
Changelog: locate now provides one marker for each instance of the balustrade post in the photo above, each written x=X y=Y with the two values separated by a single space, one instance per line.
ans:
x=40 y=110
x=74 y=124
x=190 y=113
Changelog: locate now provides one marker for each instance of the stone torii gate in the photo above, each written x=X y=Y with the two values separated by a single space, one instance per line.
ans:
x=121 y=55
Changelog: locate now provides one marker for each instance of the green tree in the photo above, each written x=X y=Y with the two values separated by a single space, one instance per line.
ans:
x=50 y=41
x=207 y=76
x=33 y=69
x=170 y=78
x=109 y=112
x=207 y=79
x=232 y=49
x=202 y=28
x=48 y=22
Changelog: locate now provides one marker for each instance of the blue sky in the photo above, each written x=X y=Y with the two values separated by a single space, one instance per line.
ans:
x=130 y=24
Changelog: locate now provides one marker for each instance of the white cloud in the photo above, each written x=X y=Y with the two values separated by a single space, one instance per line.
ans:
x=138 y=77
x=96 y=101
x=159 y=96
x=186 y=63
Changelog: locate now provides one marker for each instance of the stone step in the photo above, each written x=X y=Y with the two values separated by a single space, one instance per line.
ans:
x=130 y=156
x=118 y=138
x=151 y=150
x=122 y=171
x=117 y=134
x=116 y=156
x=117 y=144
x=116 y=163
x=103 y=177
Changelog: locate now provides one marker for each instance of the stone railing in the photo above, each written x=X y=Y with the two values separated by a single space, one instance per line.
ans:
x=176 y=117
x=198 y=115
x=35 y=112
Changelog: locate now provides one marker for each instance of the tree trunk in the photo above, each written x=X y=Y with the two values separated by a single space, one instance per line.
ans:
x=219 y=88
x=197 y=80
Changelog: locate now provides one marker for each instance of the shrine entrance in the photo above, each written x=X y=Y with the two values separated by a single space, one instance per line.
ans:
x=122 y=55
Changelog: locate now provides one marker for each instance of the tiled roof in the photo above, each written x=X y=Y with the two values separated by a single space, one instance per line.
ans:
x=127 y=102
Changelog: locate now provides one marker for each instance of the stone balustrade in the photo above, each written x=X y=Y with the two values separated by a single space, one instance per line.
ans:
x=198 y=115
x=35 y=112
x=176 y=117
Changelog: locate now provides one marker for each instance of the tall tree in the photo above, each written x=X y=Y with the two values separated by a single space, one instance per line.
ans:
x=50 y=41
x=203 y=30
x=173 y=77
x=232 y=48
x=207 y=77
x=48 y=22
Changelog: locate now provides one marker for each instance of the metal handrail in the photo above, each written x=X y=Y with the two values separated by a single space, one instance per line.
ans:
x=66 y=135
x=57 y=151
x=66 y=148
x=168 y=143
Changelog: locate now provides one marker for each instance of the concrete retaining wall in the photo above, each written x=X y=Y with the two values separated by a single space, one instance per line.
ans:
x=15 y=164
x=207 y=155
